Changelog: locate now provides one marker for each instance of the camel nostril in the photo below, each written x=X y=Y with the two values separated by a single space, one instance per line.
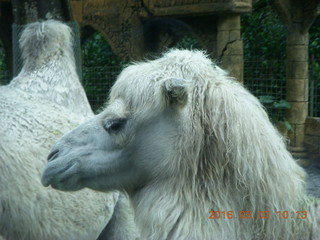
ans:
x=54 y=154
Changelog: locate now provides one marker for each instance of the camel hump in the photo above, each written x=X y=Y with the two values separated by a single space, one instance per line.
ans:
x=44 y=39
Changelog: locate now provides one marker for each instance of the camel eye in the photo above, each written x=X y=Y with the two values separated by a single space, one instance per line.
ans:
x=115 y=125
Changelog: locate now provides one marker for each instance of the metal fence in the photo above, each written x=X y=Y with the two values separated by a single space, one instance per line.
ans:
x=5 y=77
x=314 y=87
x=97 y=82
x=265 y=79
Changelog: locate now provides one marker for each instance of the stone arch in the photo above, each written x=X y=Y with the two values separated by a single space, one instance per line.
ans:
x=123 y=37
x=161 y=33
x=105 y=29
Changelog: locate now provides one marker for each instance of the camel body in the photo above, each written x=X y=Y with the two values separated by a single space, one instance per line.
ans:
x=41 y=104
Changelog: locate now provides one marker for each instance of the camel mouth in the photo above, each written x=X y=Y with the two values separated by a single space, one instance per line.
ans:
x=55 y=173
x=45 y=181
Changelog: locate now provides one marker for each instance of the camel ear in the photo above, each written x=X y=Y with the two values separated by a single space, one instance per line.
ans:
x=176 y=91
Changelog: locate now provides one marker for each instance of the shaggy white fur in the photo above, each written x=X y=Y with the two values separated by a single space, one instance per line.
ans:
x=183 y=139
x=43 y=102
x=49 y=67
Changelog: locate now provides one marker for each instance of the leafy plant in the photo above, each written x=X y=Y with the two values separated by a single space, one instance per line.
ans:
x=274 y=107
x=100 y=69
x=263 y=34
x=314 y=42
x=188 y=42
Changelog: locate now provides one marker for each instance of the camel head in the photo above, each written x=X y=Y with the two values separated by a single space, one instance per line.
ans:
x=128 y=144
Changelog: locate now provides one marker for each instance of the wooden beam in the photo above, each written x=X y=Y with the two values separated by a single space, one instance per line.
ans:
x=167 y=8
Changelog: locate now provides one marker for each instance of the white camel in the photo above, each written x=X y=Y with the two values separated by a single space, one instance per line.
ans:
x=43 y=102
x=196 y=153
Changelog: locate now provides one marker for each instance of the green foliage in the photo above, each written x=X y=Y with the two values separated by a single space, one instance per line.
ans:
x=100 y=69
x=274 y=107
x=314 y=42
x=314 y=68
x=263 y=34
x=273 y=103
x=264 y=42
x=188 y=42
x=97 y=52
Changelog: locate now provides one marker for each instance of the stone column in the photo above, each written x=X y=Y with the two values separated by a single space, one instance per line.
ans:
x=297 y=83
x=298 y=16
x=229 y=44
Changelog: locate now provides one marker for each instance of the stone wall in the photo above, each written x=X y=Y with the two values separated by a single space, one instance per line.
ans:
x=216 y=24
x=229 y=45
x=312 y=138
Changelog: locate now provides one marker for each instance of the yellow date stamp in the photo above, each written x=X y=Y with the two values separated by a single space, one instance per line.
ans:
x=257 y=215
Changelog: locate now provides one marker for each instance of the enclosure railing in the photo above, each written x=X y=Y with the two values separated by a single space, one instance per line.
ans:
x=314 y=87
x=5 y=77
x=265 y=79
x=97 y=82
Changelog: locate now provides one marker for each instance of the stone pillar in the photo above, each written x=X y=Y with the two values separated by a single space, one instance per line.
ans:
x=229 y=45
x=297 y=84
x=298 y=17
x=312 y=138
